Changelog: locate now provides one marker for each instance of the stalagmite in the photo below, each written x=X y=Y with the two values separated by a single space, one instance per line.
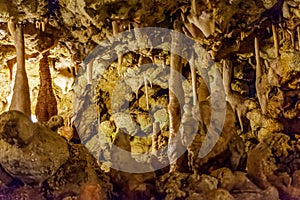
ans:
x=21 y=96
x=46 y=102
x=259 y=90
x=176 y=101
x=276 y=41
x=116 y=30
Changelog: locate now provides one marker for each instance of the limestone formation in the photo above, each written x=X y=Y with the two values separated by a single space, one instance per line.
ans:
x=46 y=103
x=27 y=149
x=210 y=109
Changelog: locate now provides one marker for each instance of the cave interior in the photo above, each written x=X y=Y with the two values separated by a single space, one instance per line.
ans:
x=150 y=99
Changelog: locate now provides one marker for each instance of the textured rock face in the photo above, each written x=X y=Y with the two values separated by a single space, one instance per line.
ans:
x=77 y=173
x=27 y=149
x=261 y=161
x=35 y=155
x=29 y=9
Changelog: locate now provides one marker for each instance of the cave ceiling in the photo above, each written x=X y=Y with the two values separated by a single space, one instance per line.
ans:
x=70 y=30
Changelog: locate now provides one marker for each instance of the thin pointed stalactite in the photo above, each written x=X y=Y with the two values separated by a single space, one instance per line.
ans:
x=194 y=80
x=46 y=106
x=194 y=7
x=291 y=32
x=89 y=72
x=11 y=28
x=227 y=76
x=258 y=81
x=116 y=30
x=235 y=99
x=298 y=35
x=10 y=65
x=146 y=92
x=176 y=102
x=21 y=96
x=276 y=41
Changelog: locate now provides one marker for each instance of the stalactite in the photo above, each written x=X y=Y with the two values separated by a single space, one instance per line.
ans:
x=67 y=131
x=10 y=65
x=146 y=91
x=235 y=99
x=43 y=26
x=285 y=10
x=298 y=34
x=21 y=96
x=37 y=24
x=44 y=22
x=176 y=101
x=276 y=41
x=292 y=35
x=46 y=102
x=258 y=82
x=204 y=22
x=11 y=28
x=89 y=72
x=116 y=30
x=194 y=79
x=227 y=75
x=203 y=89
x=194 y=7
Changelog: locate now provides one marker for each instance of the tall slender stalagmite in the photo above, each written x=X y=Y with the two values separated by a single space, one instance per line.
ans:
x=21 y=96
x=176 y=101
x=46 y=105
